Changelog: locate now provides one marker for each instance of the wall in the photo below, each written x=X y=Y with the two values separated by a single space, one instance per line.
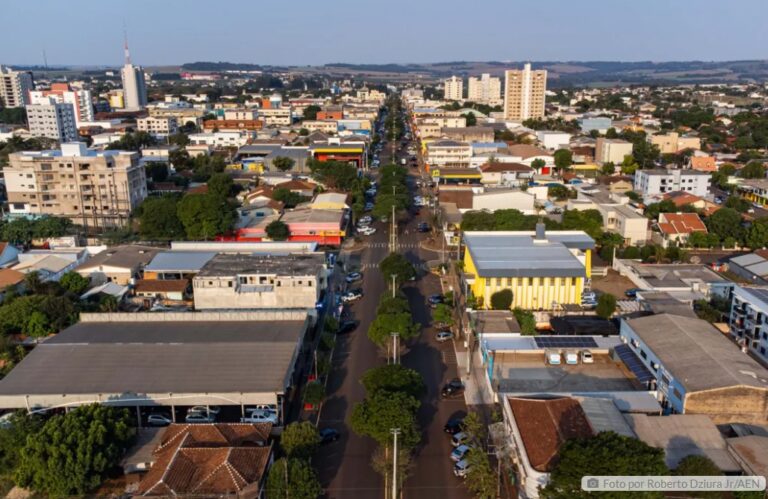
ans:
x=739 y=404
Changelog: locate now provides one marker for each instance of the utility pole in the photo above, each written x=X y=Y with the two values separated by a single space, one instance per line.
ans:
x=395 y=432
x=395 y=338
x=394 y=276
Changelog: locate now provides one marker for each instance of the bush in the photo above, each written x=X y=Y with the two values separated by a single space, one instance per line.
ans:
x=606 y=306
x=501 y=300
x=526 y=320
x=314 y=393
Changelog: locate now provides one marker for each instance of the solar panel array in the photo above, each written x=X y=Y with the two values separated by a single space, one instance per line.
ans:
x=634 y=364
x=565 y=342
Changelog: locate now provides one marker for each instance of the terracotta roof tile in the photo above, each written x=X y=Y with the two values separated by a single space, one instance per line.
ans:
x=680 y=223
x=10 y=277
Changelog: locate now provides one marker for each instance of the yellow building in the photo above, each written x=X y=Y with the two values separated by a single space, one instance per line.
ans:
x=544 y=270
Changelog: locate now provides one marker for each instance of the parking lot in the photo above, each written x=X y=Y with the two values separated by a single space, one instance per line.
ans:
x=527 y=373
x=613 y=283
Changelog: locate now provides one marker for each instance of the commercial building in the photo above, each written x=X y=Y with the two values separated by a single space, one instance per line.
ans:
x=158 y=126
x=453 y=88
x=524 y=92
x=95 y=189
x=553 y=139
x=468 y=198
x=650 y=183
x=752 y=267
x=118 y=264
x=544 y=270
x=698 y=370
x=612 y=150
x=134 y=86
x=505 y=174
x=673 y=142
x=754 y=190
x=64 y=94
x=52 y=120
x=277 y=116
x=482 y=134
x=485 y=90
x=355 y=152
x=685 y=282
x=14 y=87
x=230 y=281
x=748 y=320
x=447 y=154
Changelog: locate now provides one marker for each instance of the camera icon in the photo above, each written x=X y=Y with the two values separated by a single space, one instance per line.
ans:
x=593 y=483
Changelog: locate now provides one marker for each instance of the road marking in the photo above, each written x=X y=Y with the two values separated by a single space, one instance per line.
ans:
x=399 y=245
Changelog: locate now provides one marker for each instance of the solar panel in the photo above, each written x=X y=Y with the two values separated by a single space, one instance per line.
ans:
x=634 y=364
x=565 y=342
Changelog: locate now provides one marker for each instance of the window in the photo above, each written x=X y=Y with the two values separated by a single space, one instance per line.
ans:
x=509 y=281
x=643 y=354
x=498 y=281
x=573 y=281
x=530 y=281
x=677 y=394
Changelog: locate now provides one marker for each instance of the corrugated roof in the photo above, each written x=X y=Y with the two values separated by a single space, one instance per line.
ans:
x=179 y=261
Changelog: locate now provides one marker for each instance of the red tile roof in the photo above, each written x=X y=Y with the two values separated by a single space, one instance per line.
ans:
x=681 y=198
x=498 y=167
x=9 y=277
x=161 y=286
x=703 y=163
x=545 y=424
x=462 y=198
x=680 y=223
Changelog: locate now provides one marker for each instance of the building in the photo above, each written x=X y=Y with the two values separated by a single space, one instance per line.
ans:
x=338 y=150
x=232 y=125
x=752 y=267
x=221 y=139
x=14 y=87
x=161 y=127
x=754 y=190
x=229 y=281
x=447 y=154
x=673 y=142
x=484 y=90
x=685 y=282
x=276 y=116
x=524 y=92
x=176 y=265
x=599 y=123
x=552 y=139
x=702 y=163
x=618 y=216
x=698 y=370
x=52 y=120
x=477 y=198
x=483 y=134
x=453 y=88
x=650 y=183
x=163 y=361
x=64 y=94
x=612 y=150
x=543 y=269
x=677 y=227
x=97 y=189
x=118 y=264
x=134 y=86
x=748 y=320
x=505 y=174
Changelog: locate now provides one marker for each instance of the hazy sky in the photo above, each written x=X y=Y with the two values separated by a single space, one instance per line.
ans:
x=296 y=32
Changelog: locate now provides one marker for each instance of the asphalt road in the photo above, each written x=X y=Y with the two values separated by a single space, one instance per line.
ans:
x=345 y=466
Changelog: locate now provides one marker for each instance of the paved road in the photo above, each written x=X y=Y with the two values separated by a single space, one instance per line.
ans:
x=344 y=466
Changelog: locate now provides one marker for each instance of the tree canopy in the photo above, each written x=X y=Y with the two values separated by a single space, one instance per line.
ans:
x=378 y=413
x=283 y=163
x=393 y=378
x=334 y=174
x=292 y=478
x=300 y=440
x=205 y=216
x=606 y=306
x=74 y=282
x=502 y=299
x=277 y=231
x=385 y=324
x=158 y=219
x=396 y=264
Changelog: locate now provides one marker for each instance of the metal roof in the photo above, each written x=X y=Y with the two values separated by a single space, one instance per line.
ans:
x=758 y=294
x=179 y=261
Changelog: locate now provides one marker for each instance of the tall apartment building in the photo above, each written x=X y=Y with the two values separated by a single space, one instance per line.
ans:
x=524 y=91
x=612 y=150
x=134 y=86
x=485 y=90
x=453 y=88
x=53 y=120
x=95 y=189
x=652 y=183
x=748 y=320
x=64 y=94
x=14 y=87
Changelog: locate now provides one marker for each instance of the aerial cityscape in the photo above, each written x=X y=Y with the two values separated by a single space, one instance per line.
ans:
x=398 y=251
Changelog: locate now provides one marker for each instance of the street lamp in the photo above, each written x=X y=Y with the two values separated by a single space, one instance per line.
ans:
x=394 y=277
x=395 y=433
x=395 y=343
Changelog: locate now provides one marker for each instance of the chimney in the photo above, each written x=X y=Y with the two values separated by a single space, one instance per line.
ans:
x=541 y=234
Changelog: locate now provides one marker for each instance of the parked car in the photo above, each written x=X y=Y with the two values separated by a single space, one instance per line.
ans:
x=368 y=206
x=632 y=292
x=571 y=358
x=423 y=227
x=159 y=420
x=461 y=468
x=459 y=438
x=435 y=299
x=260 y=416
x=328 y=435
x=452 y=388
x=347 y=327
x=459 y=452
x=366 y=231
x=554 y=359
x=199 y=418
x=371 y=192
x=588 y=296
x=365 y=220
x=353 y=277
x=352 y=295
x=443 y=336
x=453 y=426
x=211 y=409
x=586 y=357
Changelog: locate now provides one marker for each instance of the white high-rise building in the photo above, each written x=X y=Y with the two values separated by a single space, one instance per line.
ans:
x=52 y=120
x=485 y=90
x=134 y=86
x=63 y=94
x=453 y=88
x=14 y=87
x=524 y=93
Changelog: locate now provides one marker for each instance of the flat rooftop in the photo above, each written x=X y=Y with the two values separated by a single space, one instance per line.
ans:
x=232 y=264
x=179 y=261
x=673 y=275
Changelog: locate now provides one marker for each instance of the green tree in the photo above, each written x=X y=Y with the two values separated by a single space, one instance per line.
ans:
x=283 y=163
x=220 y=186
x=757 y=235
x=481 y=479
x=606 y=306
x=478 y=220
x=334 y=174
x=559 y=192
x=443 y=313
x=289 y=198
x=726 y=222
x=179 y=139
x=695 y=465
x=396 y=264
x=393 y=378
x=156 y=171
x=502 y=299
x=314 y=393
x=294 y=479
x=46 y=227
x=393 y=305
x=72 y=452
x=277 y=231
x=563 y=159
x=300 y=440
x=611 y=133
x=753 y=169
x=310 y=112
x=74 y=282
x=538 y=163
x=526 y=320
x=629 y=166
x=607 y=453
x=377 y=414
x=205 y=216
x=13 y=438
x=471 y=119
x=384 y=325
x=590 y=221
x=158 y=219
x=608 y=168
x=738 y=204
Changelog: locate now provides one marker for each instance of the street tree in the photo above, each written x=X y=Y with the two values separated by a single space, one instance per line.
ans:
x=277 y=231
x=563 y=159
x=481 y=479
x=606 y=306
x=294 y=479
x=384 y=325
x=726 y=222
x=300 y=440
x=396 y=264
x=393 y=378
x=377 y=414
x=443 y=313
x=393 y=305
x=283 y=163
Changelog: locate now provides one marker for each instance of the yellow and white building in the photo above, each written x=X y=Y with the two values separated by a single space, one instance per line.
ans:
x=544 y=270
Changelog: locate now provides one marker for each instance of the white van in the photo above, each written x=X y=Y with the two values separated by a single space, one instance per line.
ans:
x=571 y=358
x=553 y=358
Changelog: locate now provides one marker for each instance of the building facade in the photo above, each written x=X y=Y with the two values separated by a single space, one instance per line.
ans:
x=134 y=86
x=486 y=89
x=748 y=320
x=524 y=92
x=64 y=94
x=52 y=120
x=453 y=88
x=612 y=150
x=95 y=189
x=158 y=126
x=672 y=142
x=14 y=87
x=448 y=153
x=649 y=183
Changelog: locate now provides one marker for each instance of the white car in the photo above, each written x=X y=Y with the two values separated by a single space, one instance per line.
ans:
x=459 y=452
x=260 y=416
x=367 y=231
x=196 y=417
x=443 y=336
x=586 y=357
x=211 y=409
x=158 y=420
x=461 y=468
x=366 y=220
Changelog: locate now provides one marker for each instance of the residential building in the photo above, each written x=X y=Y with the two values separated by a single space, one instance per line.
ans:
x=447 y=154
x=276 y=116
x=221 y=139
x=505 y=174
x=229 y=281
x=748 y=320
x=325 y=126
x=650 y=183
x=97 y=189
x=677 y=227
x=599 y=123
x=697 y=370
x=524 y=91
x=527 y=154
x=485 y=90
x=161 y=127
x=543 y=269
x=14 y=87
x=752 y=267
x=552 y=139
x=618 y=216
x=612 y=150
x=673 y=142
x=118 y=264
x=134 y=86
x=50 y=265
x=232 y=125
x=482 y=134
x=64 y=94
x=453 y=88
x=702 y=163
x=241 y=114
x=52 y=120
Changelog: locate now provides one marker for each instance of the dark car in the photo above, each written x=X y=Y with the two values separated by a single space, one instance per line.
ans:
x=454 y=426
x=423 y=227
x=453 y=388
x=435 y=299
x=631 y=293
x=347 y=327
x=328 y=435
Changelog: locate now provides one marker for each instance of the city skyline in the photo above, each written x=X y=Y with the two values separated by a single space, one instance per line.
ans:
x=287 y=34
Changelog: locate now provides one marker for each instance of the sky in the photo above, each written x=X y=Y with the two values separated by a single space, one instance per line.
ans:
x=309 y=32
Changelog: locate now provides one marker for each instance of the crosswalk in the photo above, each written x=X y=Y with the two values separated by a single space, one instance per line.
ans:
x=399 y=245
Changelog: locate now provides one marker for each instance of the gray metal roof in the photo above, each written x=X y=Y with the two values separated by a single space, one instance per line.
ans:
x=229 y=264
x=748 y=259
x=698 y=355
x=159 y=357
x=758 y=294
x=179 y=261
x=516 y=254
